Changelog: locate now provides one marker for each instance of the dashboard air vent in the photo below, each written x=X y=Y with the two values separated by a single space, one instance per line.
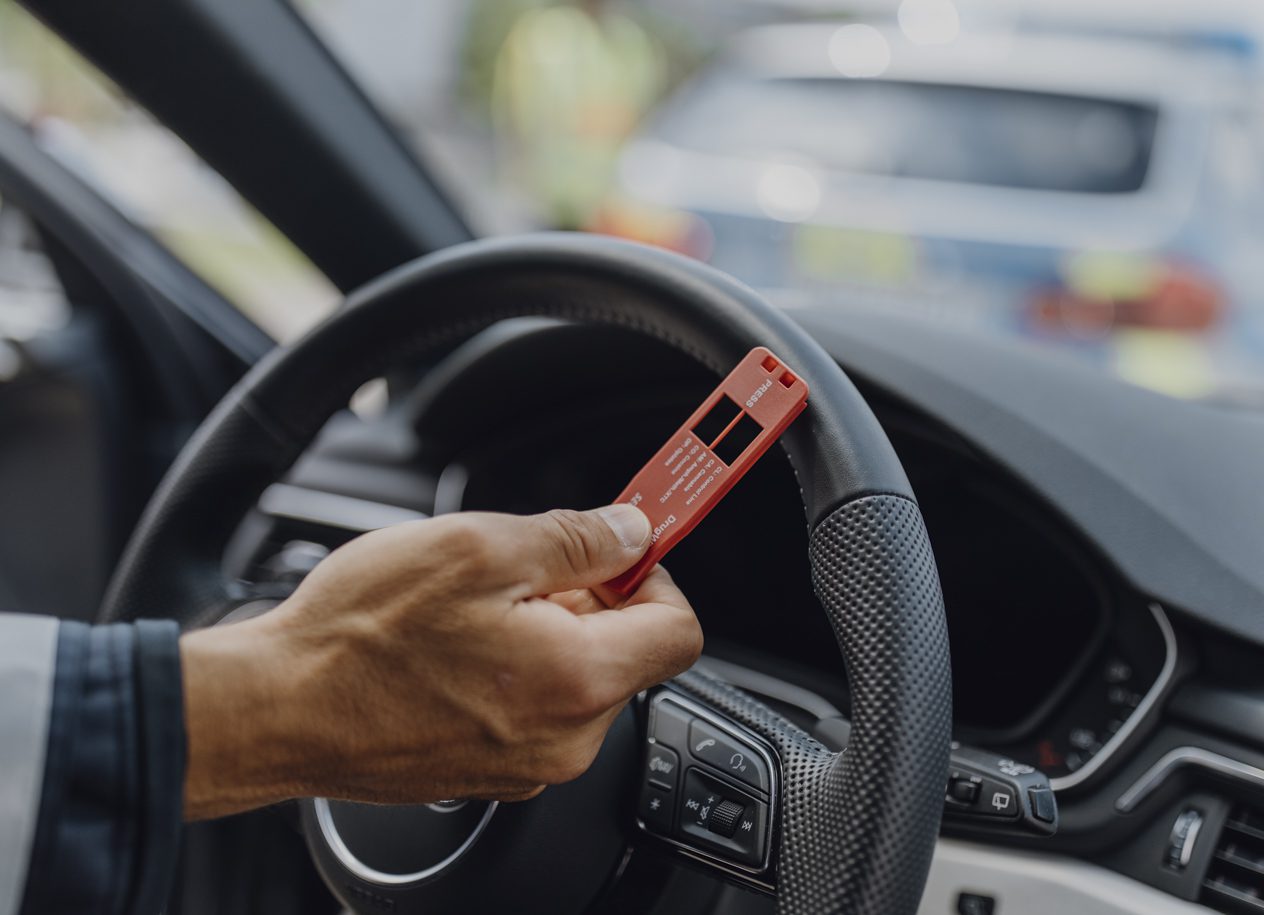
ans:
x=1235 y=878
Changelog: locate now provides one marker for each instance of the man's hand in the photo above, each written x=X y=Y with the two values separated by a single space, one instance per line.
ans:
x=419 y=663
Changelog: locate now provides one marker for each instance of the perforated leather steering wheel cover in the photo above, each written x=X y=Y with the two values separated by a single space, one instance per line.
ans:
x=846 y=818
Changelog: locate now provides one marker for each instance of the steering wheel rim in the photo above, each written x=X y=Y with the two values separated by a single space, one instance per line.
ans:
x=858 y=829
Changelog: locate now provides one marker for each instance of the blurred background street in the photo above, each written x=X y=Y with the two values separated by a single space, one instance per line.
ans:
x=1017 y=168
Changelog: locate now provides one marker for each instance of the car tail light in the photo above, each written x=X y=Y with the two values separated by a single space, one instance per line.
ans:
x=1166 y=296
x=677 y=230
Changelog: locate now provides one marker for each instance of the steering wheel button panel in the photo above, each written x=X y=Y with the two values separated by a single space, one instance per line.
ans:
x=722 y=803
x=708 y=807
x=715 y=748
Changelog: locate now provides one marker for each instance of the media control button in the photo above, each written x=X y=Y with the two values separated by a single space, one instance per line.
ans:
x=724 y=818
x=707 y=803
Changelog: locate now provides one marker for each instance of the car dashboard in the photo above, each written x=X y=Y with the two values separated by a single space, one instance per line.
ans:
x=1051 y=654
x=1063 y=657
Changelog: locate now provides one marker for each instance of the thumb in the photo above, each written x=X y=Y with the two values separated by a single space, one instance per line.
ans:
x=570 y=549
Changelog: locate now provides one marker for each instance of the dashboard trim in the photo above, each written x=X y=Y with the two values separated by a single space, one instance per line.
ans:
x=450 y=489
x=1180 y=758
x=1037 y=883
x=1139 y=714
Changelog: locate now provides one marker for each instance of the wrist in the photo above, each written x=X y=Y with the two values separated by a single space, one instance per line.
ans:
x=247 y=740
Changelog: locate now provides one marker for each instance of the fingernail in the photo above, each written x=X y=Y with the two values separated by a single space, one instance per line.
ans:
x=629 y=524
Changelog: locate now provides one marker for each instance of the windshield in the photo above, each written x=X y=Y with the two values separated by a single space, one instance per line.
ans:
x=1078 y=176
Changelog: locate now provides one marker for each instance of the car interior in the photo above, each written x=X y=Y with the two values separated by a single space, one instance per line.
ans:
x=983 y=637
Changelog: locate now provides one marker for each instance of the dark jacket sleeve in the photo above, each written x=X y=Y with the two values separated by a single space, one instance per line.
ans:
x=110 y=811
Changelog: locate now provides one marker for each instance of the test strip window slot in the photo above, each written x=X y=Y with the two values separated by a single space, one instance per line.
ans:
x=739 y=438
x=717 y=420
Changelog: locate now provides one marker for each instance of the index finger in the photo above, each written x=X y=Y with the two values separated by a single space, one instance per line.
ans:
x=651 y=638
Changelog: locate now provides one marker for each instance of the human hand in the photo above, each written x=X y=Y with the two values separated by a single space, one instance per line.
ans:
x=419 y=663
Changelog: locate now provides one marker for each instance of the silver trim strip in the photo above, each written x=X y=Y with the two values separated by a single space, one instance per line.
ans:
x=1179 y=758
x=450 y=488
x=1038 y=883
x=325 y=819
x=1144 y=707
x=331 y=509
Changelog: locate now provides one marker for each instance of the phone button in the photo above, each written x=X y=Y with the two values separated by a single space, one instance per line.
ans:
x=721 y=752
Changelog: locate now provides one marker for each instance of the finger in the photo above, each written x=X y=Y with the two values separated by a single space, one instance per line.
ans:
x=562 y=550
x=579 y=601
x=658 y=588
x=642 y=644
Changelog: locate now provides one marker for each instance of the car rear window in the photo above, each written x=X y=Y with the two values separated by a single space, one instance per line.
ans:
x=965 y=134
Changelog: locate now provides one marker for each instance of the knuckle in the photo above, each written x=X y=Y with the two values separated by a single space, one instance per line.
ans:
x=502 y=729
x=591 y=699
x=572 y=761
x=574 y=538
x=464 y=541
x=588 y=694
x=686 y=645
x=693 y=643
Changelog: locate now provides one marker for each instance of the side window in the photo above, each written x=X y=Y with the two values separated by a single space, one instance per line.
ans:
x=86 y=122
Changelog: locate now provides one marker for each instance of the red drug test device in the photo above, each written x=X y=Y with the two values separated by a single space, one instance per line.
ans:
x=706 y=456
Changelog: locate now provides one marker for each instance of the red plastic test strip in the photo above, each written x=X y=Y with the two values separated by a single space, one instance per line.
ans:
x=715 y=447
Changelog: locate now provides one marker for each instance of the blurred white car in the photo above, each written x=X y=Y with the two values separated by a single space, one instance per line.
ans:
x=1043 y=183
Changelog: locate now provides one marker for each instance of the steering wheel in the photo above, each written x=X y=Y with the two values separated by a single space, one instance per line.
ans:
x=823 y=831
